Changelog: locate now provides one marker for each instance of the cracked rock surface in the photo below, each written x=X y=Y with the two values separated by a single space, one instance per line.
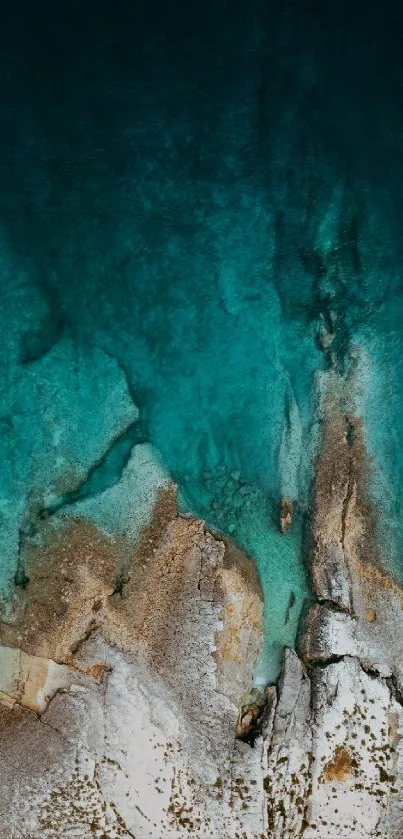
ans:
x=119 y=708
x=126 y=670
x=334 y=738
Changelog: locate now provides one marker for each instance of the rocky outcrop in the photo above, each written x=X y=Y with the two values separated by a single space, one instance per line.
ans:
x=335 y=755
x=127 y=706
x=335 y=733
x=119 y=709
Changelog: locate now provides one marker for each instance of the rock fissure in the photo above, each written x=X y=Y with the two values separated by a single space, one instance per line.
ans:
x=346 y=728
x=105 y=473
x=334 y=606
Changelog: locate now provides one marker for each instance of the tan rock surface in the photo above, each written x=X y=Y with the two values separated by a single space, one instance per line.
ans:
x=150 y=675
x=335 y=737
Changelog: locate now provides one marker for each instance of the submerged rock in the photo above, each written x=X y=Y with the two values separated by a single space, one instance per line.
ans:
x=136 y=705
x=198 y=225
x=286 y=511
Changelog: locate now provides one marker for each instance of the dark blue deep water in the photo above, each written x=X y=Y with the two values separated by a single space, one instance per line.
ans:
x=198 y=189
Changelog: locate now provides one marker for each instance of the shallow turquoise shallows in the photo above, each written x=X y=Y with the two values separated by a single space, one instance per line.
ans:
x=201 y=196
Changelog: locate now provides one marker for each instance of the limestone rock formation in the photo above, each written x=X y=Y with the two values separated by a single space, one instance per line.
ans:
x=127 y=703
x=335 y=734
x=119 y=708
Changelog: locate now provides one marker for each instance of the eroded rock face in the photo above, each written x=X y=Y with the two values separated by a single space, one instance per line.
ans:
x=335 y=732
x=335 y=754
x=127 y=676
x=363 y=606
x=134 y=689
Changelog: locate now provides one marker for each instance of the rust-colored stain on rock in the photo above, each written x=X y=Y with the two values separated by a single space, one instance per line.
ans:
x=340 y=767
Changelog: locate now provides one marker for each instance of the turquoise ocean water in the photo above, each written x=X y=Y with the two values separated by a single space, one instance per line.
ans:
x=197 y=190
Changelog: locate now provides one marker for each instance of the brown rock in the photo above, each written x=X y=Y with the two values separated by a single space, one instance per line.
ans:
x=286 y=511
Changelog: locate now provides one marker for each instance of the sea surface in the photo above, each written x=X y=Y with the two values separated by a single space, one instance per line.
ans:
x=205 y=193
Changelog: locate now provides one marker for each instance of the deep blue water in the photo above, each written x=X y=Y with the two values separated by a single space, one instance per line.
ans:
x=198 y=189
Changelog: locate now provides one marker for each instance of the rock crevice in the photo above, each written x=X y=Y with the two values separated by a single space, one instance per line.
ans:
x=335 y=757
